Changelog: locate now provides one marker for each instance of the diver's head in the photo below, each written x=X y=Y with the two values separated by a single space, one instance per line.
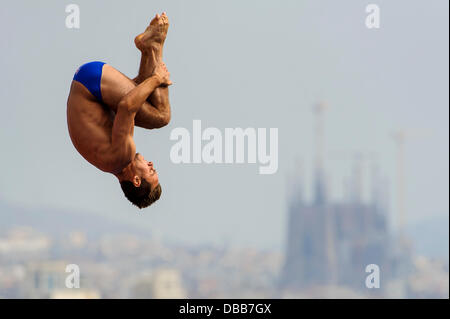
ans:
x=139 y=182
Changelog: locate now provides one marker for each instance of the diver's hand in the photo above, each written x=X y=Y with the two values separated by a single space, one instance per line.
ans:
x=163 y=74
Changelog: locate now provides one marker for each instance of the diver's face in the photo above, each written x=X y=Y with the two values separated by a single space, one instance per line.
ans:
x=146 y=170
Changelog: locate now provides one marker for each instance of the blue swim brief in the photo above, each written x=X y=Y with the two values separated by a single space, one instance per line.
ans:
x=90 y=75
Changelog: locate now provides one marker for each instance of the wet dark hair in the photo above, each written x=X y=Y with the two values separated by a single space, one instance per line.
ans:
x=142 y=196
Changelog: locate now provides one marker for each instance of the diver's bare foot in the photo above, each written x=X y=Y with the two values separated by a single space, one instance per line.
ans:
x=152 y=39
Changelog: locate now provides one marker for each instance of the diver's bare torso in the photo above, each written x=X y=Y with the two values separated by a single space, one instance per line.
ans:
x=90 y=127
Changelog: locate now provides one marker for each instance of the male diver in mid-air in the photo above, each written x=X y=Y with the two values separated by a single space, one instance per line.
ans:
x=104 y=105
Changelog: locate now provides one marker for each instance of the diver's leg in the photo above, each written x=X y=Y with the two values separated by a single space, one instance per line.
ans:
x=151 y=43
x=160 y=97
x=115 y=85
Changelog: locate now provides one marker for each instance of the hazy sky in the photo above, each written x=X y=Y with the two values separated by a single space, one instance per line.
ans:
x=233 y=64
